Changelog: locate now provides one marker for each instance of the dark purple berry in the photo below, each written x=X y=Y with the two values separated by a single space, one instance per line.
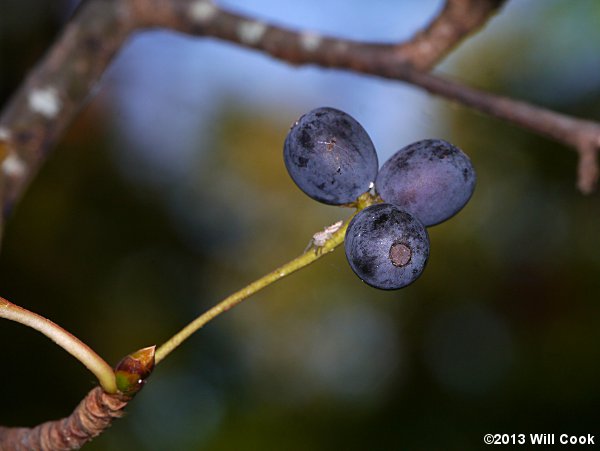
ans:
x=386 y=247
x=431 y=179
x=330 y=156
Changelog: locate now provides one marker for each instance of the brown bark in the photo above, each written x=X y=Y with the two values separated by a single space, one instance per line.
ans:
x=94 y=414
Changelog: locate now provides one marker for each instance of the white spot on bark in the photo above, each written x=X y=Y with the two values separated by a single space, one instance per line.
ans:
x=13 y=166
x=203 y=11
x=310 y=41
x=251 y=32
x=45 y=101
x=4 y=133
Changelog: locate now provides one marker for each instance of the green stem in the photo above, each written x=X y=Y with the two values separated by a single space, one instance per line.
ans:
x=292 y=266
x=64 y=339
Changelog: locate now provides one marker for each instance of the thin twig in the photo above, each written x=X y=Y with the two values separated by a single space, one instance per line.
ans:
x=580 y=134
x=69 y=342
x=309 y=256
x=458 y=19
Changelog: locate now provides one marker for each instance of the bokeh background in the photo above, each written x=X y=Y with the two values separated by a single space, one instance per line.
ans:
x=169 y=192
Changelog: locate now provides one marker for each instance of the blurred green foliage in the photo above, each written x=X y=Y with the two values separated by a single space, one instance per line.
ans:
x=500 y=334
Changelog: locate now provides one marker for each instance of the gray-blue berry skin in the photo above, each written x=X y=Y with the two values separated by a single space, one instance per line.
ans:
x=431 y=179
x=369 y=240
x=330 y=156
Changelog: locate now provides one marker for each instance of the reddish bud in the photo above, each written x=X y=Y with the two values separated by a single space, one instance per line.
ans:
x=133 y=370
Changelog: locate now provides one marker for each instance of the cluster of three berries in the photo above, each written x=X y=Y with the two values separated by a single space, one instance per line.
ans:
x=331 y=157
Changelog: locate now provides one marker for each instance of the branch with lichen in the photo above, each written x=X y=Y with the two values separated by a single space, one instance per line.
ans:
x=55 y=90
x=60 y=84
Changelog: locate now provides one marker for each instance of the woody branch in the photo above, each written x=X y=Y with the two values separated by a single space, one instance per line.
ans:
x=57 y=88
